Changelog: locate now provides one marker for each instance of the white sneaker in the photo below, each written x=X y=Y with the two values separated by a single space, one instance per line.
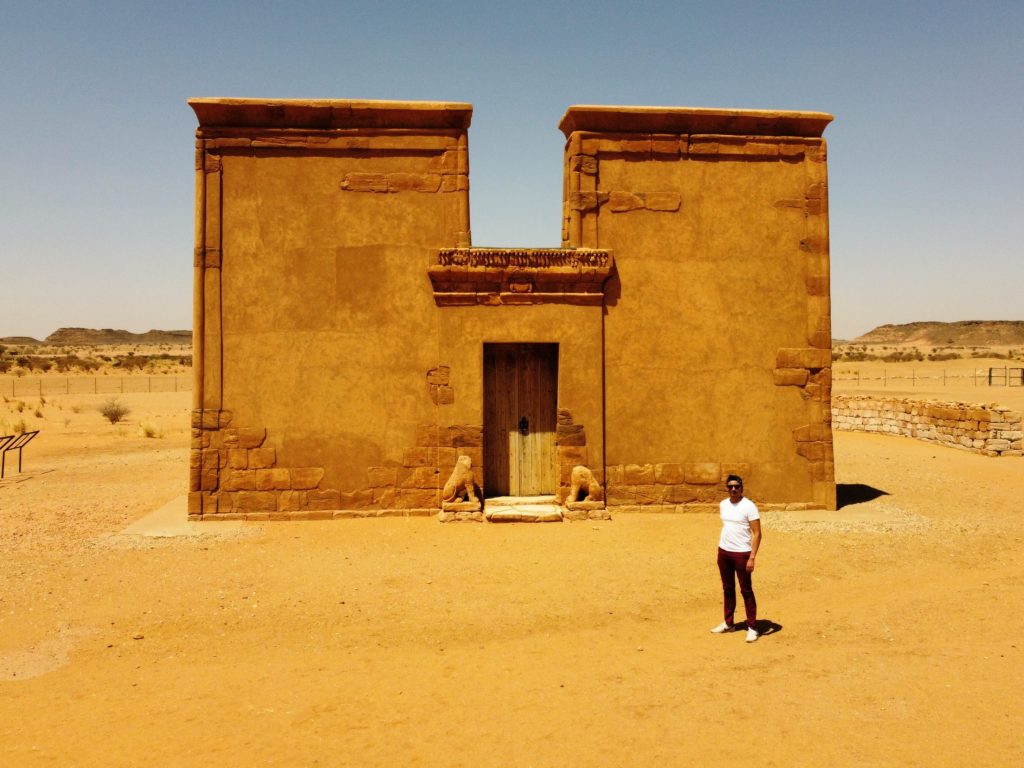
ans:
x=723 y=627
x=752 y=635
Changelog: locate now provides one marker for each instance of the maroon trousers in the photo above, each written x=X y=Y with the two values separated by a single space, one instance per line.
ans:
x=732 y=566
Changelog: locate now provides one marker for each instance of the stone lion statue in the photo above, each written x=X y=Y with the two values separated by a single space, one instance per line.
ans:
x=582 y=479
x=460 y=483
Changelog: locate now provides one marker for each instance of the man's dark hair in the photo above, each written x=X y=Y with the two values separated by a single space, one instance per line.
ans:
x=734 y=478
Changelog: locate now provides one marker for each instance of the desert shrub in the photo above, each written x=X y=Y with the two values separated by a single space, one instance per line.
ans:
x=76 y=409
x=38 y=413
x=18 y=427
x=5 y=365
x=939 y=356
x=19 y=406
x=131 y=363
x=148 y=429
x=903 y=356
x=113 y=410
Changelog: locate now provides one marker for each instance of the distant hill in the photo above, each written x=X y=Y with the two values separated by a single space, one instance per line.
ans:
x=966 y=333
x=19 y=340
x=64 y=337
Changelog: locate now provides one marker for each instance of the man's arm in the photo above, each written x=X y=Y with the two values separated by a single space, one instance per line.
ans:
x=755 y=542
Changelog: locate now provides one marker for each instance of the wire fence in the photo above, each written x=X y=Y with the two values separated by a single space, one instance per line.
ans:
x=48 y=385
x=980 y=377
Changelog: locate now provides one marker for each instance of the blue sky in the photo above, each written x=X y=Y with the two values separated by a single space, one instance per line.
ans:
x=926 y=158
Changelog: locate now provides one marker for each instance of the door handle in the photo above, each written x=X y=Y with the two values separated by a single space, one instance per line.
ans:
x=524 y=426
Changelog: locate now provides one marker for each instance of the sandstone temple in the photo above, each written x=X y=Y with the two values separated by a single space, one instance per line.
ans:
x=352 y=347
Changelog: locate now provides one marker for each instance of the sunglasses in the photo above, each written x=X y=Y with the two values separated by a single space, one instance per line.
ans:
x=734 y=487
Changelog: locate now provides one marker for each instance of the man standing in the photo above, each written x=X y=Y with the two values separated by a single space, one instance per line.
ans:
x=737 y=548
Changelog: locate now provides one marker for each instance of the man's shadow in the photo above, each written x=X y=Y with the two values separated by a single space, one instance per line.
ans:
x=767 y=627
x=848 y=494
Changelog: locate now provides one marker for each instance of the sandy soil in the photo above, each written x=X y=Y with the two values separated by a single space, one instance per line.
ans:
x=407 y=642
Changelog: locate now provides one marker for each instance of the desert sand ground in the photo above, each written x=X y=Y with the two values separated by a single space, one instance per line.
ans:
x=405 y=642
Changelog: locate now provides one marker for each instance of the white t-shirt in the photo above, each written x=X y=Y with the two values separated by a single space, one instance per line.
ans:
x=736 y=519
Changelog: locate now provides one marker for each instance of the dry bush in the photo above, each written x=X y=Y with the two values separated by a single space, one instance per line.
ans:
x=113 y=410
x=19 y=427
x=148 y=429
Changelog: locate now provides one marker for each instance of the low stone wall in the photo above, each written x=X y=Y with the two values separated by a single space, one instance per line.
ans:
x=987 y=429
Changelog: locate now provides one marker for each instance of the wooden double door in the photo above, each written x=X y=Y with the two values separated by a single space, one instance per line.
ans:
x=520 y=417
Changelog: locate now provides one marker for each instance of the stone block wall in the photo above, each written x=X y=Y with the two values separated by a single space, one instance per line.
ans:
x=718 y=222
x=236 y=475
x=990 y=430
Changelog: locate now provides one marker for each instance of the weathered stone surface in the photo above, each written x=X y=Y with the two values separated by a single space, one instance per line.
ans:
x=803 y=357
x=208 y=479
x=418 y=499
x=365 y=182
x=262 y=458
x=465 y=435
x=359 y=499
x=255 y=501
x=291 y=501
x=324 y=499
x=668 y=474
x=663 y=201
x=306 y=478
x=680 y=494
x=239 y=480
x=570 y=434
x=572 y=454
x=638 y=474
x=382 y=476
x=238 y=458
x=442 y=394
x=703 y=473
x=420 y=457
x=245 y=437
x=413 y=182
x=421 y=477
x=790 y=377
x=620 y=201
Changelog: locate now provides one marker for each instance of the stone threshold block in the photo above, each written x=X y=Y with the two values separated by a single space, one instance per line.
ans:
x=586 y=510
x=523 y=509
x=460 y=511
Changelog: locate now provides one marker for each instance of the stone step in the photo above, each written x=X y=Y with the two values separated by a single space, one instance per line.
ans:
x=522 y=509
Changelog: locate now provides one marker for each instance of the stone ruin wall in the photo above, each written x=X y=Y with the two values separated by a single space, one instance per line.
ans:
x=990 y=430
x=243 y=463
x=676 y=194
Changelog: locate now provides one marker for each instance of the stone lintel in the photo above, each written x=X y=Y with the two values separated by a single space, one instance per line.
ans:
x=325 y=114
x=692 y=120
x=466 y=276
